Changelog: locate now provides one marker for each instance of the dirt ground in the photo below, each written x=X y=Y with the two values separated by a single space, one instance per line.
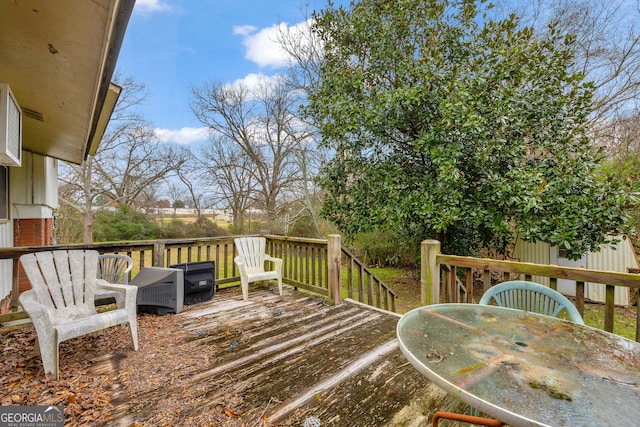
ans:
x=407 y=288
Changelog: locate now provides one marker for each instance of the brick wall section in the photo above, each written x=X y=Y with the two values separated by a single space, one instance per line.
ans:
x=5 y=304
x=31 y=232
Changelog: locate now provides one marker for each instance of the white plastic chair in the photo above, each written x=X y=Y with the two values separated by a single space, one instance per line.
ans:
x=61 y=301
x=532 y=297
x=114 y=268
x=250 y=261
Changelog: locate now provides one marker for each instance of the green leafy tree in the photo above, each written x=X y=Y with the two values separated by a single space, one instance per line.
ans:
x=448 y=125
x=125 y=223
x=625 y=168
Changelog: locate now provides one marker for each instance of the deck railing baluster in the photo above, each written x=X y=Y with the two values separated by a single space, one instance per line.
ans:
x=506 y=269
x=305 y=263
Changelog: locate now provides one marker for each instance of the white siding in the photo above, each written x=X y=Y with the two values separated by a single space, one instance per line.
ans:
x=34 y=187
x=607 y=258
x=33 y=193
x=537 y=253
x=6 y=266
x=618 y=259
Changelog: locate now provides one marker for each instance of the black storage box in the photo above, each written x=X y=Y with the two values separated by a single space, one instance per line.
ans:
x=199 y=282
x=160 y=290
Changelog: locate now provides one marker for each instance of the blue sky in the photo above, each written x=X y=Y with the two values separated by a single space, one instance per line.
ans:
x=172 y=45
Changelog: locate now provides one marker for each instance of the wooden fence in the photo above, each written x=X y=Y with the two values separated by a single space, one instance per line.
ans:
x=450 y=278
x=320 y=266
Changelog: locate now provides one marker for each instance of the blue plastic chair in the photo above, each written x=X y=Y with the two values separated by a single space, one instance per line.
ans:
x=532 y=297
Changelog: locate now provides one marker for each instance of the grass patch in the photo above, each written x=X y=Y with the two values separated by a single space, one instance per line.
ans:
x=190 y=219
x=624 y=319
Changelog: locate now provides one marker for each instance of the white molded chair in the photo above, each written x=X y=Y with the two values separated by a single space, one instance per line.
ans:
x=61 y=301
x=114 y=268
x=532 y=297
x=250 y=261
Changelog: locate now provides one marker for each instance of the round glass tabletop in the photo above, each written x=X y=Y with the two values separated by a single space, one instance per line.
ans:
x=523 y=368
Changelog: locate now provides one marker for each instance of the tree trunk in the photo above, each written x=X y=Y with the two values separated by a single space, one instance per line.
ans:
x=238 y=221
x=87 y=234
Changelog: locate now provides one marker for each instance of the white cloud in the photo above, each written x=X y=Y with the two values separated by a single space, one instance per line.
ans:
x=148 y=6
x=262 y=46
x=186 y=135
x=253 y=81
x=243 y=30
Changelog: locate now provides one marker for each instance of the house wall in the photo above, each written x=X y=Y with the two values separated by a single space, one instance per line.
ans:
x=33 y=198
x=34 y=187
x=617 y=258
x=6 y=266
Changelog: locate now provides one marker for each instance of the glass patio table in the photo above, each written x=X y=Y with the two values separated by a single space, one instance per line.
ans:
x=523 y=368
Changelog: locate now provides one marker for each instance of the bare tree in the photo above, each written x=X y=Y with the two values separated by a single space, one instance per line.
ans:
x=622 y=137
x=192 y=175
x=174 y=193
x=310 y=161
x=261 y=122
x=80 y=190
x=68 y=216
x=127 y=167
x=228 y=168
x=607 y=42
x=131 y=161
x=304 y=51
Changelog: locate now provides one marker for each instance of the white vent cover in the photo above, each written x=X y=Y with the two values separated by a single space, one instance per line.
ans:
x=10 y=128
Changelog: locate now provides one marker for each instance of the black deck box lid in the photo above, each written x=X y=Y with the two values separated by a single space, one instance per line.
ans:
x=199 y=280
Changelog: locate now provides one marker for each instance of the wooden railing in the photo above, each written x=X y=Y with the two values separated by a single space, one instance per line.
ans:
x=364 y=286
x=450 y=278
x=304 y=262
x=315 y=265
x=307 y=264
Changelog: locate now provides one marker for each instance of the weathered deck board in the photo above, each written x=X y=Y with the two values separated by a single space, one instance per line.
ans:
x=277 y=360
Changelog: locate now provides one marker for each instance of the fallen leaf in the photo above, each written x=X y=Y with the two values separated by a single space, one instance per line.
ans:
x=229 y=413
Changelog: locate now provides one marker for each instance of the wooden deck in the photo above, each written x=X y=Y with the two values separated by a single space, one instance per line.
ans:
x=271 y=361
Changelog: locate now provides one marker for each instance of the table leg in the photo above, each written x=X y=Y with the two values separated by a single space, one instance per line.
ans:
x=490 y=422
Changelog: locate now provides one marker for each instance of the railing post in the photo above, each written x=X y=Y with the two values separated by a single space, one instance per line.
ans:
x=158 y=254
x=334 y=260
x=429 y=272
x=638 y=317
x=15 y=284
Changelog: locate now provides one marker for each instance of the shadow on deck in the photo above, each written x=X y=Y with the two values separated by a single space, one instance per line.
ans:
x=271 y=361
